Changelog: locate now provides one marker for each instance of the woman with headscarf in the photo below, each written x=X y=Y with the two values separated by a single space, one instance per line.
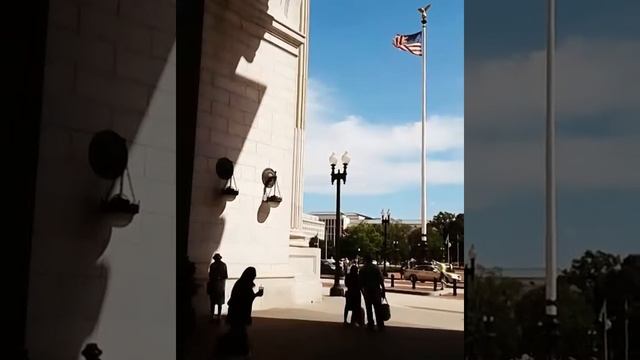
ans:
x=239 y=315
x=352 y=297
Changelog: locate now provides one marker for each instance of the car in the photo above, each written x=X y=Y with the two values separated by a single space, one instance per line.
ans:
x=421 y=273
x=327 y=267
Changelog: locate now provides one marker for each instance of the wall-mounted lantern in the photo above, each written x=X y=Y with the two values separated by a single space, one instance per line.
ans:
x=271 y=194
x=108 y=157
x=224 y=170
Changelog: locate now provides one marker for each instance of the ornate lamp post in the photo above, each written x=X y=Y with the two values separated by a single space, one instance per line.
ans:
x=337 y=289
x=385 y=223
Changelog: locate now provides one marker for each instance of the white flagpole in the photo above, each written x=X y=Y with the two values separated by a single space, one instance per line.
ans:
x=550 y=244
x=423 y=208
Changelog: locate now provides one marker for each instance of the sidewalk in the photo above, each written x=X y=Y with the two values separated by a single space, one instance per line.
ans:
x=315 y=331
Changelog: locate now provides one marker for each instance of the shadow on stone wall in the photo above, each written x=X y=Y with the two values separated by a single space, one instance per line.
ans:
x=83 y=94
x=235 y=104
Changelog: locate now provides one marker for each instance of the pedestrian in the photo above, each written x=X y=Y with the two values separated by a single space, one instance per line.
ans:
x=239 y=316
x=353 y=300
x=372 y=285
x=216 y=285
x=402 y=271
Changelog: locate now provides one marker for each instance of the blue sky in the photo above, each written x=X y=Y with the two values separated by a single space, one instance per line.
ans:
x=365 y=97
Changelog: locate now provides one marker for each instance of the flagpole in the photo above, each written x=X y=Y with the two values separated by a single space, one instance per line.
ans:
x=551 y=309
x=423 y=208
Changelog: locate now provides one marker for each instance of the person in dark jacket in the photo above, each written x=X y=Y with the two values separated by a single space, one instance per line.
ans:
x=352 y=297
x=239 y=315
x=215 y=287
x=372 y=284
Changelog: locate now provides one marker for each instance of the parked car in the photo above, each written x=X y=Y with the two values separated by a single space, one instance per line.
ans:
x=327 y=267
x=421 y=273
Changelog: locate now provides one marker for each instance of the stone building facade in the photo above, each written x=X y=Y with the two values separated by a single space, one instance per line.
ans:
x=112 y=65
x=252 y=112
x=108 y=65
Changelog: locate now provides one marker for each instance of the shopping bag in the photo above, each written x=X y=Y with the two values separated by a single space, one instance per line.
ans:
x=385 y=310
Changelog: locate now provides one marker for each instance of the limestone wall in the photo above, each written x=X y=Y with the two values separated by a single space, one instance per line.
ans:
x=251 y=105
x=109 y=65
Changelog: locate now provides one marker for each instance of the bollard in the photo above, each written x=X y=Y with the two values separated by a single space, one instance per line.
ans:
x=435 y=284
x=455 y=287
x=91 y=352
x=413 y=283
x=392 y=278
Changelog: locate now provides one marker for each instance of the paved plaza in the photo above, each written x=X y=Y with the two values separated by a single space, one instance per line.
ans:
x=421 y=327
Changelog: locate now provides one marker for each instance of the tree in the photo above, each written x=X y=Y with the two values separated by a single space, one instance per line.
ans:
x=495 y=297
x=448 y=224
x=433 y=250
x=457 y=237
x=398 y=247
x=575 y=316
x=589 y=274
x=366 y=237
x=443 y=222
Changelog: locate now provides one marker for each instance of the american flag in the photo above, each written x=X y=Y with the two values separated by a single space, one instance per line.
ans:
x=410 y=43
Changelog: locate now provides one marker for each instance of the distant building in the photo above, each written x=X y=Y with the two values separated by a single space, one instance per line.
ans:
x=416 y=224
x=350 y=219
x=312 y=227
x=329 y=220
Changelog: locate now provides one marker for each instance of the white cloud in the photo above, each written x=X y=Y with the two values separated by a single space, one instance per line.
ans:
x=593 y=79
x=385 y=157
x=592 y=75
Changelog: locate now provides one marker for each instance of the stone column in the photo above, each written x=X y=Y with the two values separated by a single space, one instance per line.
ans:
x=297 y=237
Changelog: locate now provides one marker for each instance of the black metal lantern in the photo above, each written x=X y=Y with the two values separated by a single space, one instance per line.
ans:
x=108 y=157
x=271 y=193
x=224 y=170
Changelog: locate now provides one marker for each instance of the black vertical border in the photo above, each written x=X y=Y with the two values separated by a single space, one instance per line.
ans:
x=189 y=25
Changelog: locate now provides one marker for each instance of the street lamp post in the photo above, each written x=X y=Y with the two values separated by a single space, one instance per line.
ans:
x=385 y=223
x=337 y=289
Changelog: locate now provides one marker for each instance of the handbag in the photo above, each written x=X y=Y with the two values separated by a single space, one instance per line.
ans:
x=385 y=310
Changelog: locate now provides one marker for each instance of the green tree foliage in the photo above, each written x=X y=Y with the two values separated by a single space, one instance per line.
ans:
x=590 y=272
x=403 y=242
x=493 y=297
x=576 y=319
x=433 y=250
x=582 y=289
x=366 y=237
x=398 y=247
